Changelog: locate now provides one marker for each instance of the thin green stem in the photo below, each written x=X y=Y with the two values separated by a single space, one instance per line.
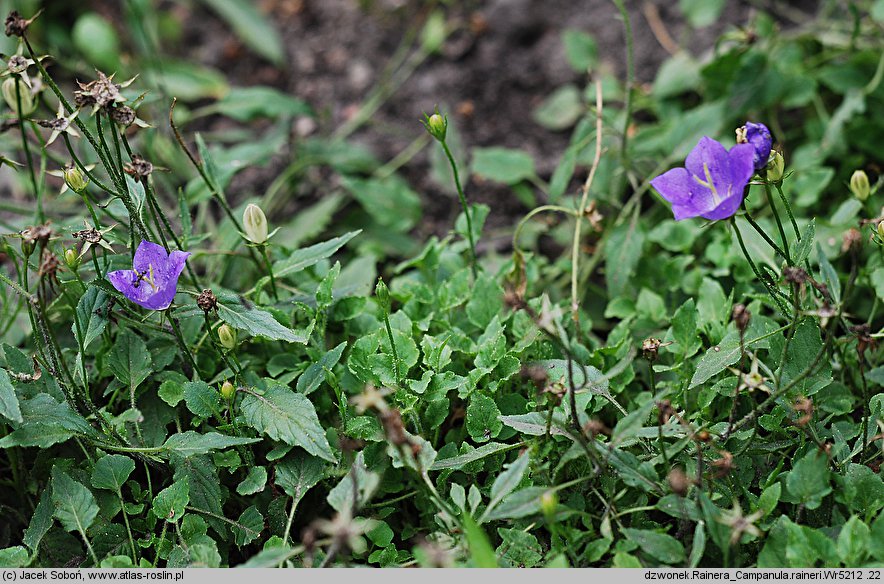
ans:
x=776 y=214
x=464 y=206
x=758 y=275
x=393 y=348
x=38 y=194
x=181 y=344
x=269 y=271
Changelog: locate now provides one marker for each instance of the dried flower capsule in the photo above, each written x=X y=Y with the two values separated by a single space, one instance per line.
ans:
x=741 y=317
x=207 y=301
x=859 y=185
x=11 y=95
x=255 y=224
x=227 y=336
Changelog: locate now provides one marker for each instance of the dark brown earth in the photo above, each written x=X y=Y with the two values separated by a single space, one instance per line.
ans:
x=501 y=60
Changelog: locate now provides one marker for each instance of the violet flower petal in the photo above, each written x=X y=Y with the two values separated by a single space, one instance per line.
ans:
x=759 y=137
x=153 y=281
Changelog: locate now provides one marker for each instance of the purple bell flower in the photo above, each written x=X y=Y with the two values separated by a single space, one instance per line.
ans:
x=153 y=280
x=759 y=137
x=712 y=183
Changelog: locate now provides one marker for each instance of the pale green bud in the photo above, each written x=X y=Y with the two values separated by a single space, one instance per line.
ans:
x=227 y=390
x=775 y=167
x=549 y=502
x=859 y=185
x=227 y=336
x=75 y=179
x=71 y=259
x=383 y=295
x=881 y=229
x=28 y=105
x=255 y=224
x=436 y=125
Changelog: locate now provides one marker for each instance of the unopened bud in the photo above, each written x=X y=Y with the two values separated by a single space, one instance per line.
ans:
x=859 y=185
x=12 y=94
x=71 y=259
x=27 y=247
x=549 y=502
x=75 y=179
x=227 y=390
x=881 y=229
x=383 y=295
x=775 y=167
x=255 y=224
x=227 y=336
x=436 y=125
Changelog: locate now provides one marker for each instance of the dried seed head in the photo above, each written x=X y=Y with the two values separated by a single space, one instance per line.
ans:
x=678 y=481
x=123 y=115
x=16 y=25
x=724 y=465
x=794 y=275
x=537 y=375
x=102 y=93
x=139 y=168
x=594 y=427
x=704 y=436
x=394 y=429
x=207 y=301
x=864 y=338
x=37 y=235
x=803 y=406
x=650 y=347
x=666 y=411
x=852 y=240
x=741 y=317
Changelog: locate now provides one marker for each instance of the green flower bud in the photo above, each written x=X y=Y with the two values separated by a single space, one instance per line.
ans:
x=859 y=185
x=436 y=125
x=549 y=502
x=881 y=229
x=75 y=179
x=28 y=105
x=775 y=167
x=227 y=336
x=383 y=295
x=71 y=259
x=27 y=247
x=227 y=390
x=255 y=224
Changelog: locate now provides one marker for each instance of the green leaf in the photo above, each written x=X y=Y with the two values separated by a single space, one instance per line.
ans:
x=481 y=552
x=288 y=417
x=802 y=250
x=507 y=481
x=561 y=109
x=251 y=26
x=205 y=486
x=358 y=477
x=242 y=315
x=876 y=540
x=808 y=481
x=189 y=81
x=389 y=201
x=201 y=399
x=246 y=104
x=169 y=503
x=520 y=504
x=830 y=276
x=171 y=392
x=9 y=406
x=313 y=377
x=254 y=481
x=41 y=520
x=503 y=164
x=701 y=13
x=192 y=443
x=861 y=489
x=769 y=498
x=96 y=38
x=622 y=252
x=580 y=50
x=302 y=259
x=659 y=546
x=853 y=542
x=684 y=329
x=248 y=527
x=479 y=453
x=678 y=74
x=46 y=422
x=129 y=360
x=482 y=418
x=75 y=507
x=92 y=313
x=14 y=557
x=112 y=471
x=492 y=346
x=486 y=301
